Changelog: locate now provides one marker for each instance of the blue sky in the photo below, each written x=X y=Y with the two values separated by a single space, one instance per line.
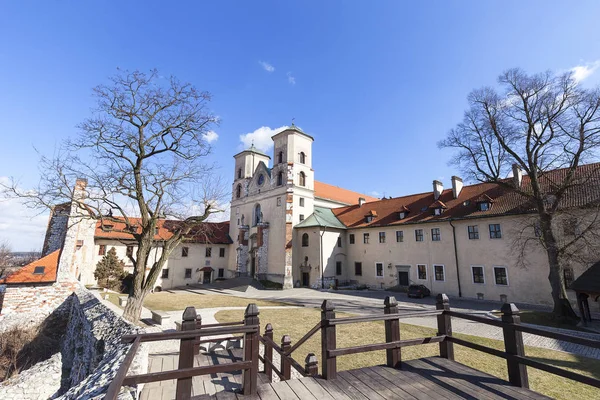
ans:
x=376 y=83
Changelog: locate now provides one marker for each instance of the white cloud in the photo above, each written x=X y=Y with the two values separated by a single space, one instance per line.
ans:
x=291 y=79
x=375 y=193
x=210 y=136
x=581 y=72
x=266 y=66
x=261 y=138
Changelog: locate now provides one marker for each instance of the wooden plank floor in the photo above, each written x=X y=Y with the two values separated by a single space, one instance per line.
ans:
x=423 y=379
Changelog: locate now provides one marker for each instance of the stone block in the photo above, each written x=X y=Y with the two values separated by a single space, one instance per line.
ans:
x=122 y=301
x=160 y=316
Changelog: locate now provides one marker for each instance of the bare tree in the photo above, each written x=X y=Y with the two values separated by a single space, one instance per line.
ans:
x=541 y=123
x=5 y=257
x=143 y=155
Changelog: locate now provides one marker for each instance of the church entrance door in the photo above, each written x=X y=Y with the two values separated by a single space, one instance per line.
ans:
x=305 y=279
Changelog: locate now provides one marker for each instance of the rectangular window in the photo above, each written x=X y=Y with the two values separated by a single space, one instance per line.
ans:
x=221 y=273
x=222 y=252
x=301 y=217
x=438 y=271
x=358 y=269
x=473 y=232
x=301 y=201
x=352 y=238
x=339 y=241
x=39 y=270
x=399 y=236
x=165 y=273
x=379 y=270
x=366 y=238
x=208 y=252
x=381 y=237
x=422 y=271
x=185 y=251
x=478 y=275
x=495 y=232
x=188 y=273
x=436 y=236
x=338 y=267
x=500 y=276
x=569 y=276
x=129 y=251
x=419 y=235
x=102 y=250
x=278 y=201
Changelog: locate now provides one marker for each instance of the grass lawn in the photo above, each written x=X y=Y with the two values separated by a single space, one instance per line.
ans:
x=296 y=322
x=173 y=301
x=545 y=319
x=179 y=300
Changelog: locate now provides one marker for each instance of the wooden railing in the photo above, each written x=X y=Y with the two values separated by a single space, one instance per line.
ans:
x=192 y=332
x=514 y=352
x=190 y=338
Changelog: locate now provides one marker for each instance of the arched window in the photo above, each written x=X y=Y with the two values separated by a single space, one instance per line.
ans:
x=302 y=157
x=305 y=240
x=280 y=157
x=302 y=179
x=257 y=215
x=239 y=174
x=280 y=179
x=238 y=191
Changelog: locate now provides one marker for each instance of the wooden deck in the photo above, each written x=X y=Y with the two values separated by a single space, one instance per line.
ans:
x=428 y=378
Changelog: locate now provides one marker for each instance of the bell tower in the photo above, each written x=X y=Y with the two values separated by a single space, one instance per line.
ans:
x=245 y=166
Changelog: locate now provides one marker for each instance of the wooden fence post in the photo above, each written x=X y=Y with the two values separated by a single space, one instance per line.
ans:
x=197 y=342
x=513 y=345
x=269 y=352
x=250 y=376
x=286 y=366
x=328 y=340
x=444 y=323
x=186 y=353
x=311 y=365
x=392 y=332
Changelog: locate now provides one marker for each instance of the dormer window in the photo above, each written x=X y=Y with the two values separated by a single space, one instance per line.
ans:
x=484 y=202
x=403 y=212
x=370 y=216
x=438 y=207
x=438 y=211
x=107 y=228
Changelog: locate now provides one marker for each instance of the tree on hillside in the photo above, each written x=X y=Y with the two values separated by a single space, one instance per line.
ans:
x=143 y=155
x=110 y=271
x=5 y=257
x=540 y=123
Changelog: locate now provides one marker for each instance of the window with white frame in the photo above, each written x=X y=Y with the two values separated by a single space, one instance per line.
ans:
x=351 y=238
x=419 y=235
x=422 y=271
x=301 y=201
x=501 y=276
x=399 y=236
x=495 y=231
x=436 y=235
x=473 y=232
x=439 y=272
x=379 y=269
x=478 y=273
x=381 y=237
x=365 y=238
x=188 y=273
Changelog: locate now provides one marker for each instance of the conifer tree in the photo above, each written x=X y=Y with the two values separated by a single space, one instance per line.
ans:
x=110 y=270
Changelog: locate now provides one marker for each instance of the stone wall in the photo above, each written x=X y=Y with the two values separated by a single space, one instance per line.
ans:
x=91 y=354
x=57 y=228
x=28 y=305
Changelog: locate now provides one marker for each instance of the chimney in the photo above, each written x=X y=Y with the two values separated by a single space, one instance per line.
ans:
x=438 y=187
x=517 y=175
x=457 y=185
x=361 y=201
x=79 y=190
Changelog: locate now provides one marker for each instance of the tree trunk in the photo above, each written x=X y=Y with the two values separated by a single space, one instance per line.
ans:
x=133 y=308
x=562 y=307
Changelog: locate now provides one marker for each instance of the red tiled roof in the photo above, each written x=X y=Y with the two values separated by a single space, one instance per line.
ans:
x=208 y=232
x=585 y=191
x=26 y=275
x=330 y=192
